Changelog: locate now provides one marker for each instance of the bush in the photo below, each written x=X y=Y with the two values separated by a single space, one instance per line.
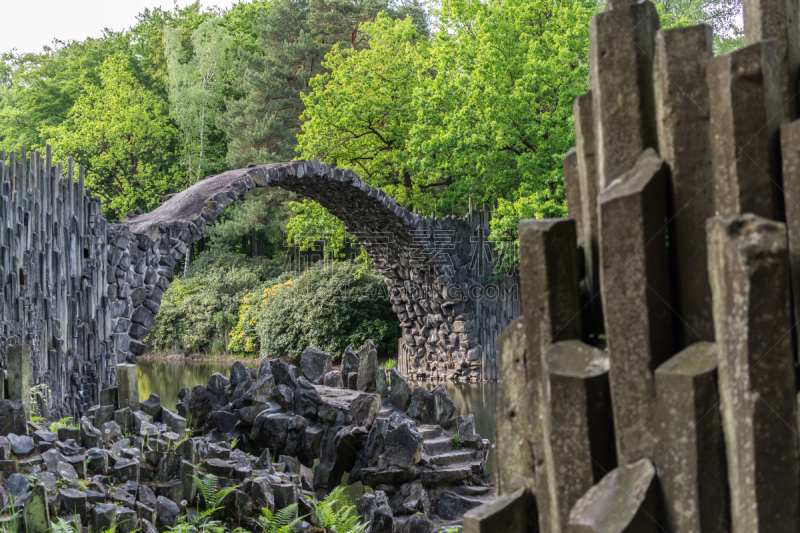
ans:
x=329 y=306
x=244 y=336
x=199 y=309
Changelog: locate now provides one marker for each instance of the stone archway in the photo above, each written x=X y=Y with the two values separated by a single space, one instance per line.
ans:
x=437 y=269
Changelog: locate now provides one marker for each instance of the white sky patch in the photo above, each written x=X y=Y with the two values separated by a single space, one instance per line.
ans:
x=31 y=24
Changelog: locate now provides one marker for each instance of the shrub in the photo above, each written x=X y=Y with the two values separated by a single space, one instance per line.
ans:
x=244 y=335
x=199 y=309
x=329 y=306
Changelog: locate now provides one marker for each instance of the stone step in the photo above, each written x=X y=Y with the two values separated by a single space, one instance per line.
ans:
x=452 y=458
x=442 y=476
x=429 y=432
x=438 y=445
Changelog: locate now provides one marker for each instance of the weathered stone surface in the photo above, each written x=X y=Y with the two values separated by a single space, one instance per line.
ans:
x=19 y=367
x=690 y=447
x=21 y=445
x=514 y=512
x=682 y=104
x=306 y=399
x=167 y=511
x=452 y=505
x=621 y=80
x=199 y=407
x=128 y=386
x=401 y=390
x=745 y=122
x=623 y=502
x=152 y=406
x=103 y=516
x=349 y=364
x=790 y=157
x=749 y=273
x=333 y=379
x=367 y=367
x=381 y=386
x=769 y=19
x=36 y=511
x=411 y=498
x=636 y=298
x=282 y=374
x=315 y=364
x=418 y=524
x=439 y=408
x=12 y=418
x=217 y=391
x=578 y=427
x=419 y=401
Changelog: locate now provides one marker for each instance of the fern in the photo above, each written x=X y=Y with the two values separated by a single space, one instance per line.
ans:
x=63 y=423
x=338 y=514
x=280 y=521
x=212 y=496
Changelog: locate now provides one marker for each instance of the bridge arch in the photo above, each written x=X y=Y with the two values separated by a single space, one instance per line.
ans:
x=437 y=270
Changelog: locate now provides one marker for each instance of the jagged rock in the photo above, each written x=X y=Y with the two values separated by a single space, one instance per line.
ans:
x=187 y=473
x=419 y=401
x=349 y=442
x=285 y=494
x=315 y=364
x=333 y=379
x=200 y=406
x=152 y=406
x=283 y=374
x=262 y=494
x=410 y=499
x=224 y=420
x=403 y=445
x=122 y=497
x=216 y=391
x=380 y=385
x=306 y=400
x=91 y=437
x=283 y=395
x=237 y=503
x=173 y=421
x=103 y=516
x=12 y=418
x=466 y=432
x=349 y=364
x=401 y=390
x=51 y=458
x=261 y=391
x=110 y=431
x=352 y=381
x=239 y=374
x=21 y=445
x=104 y=413
x=167 y=511
x=124 y=418
x=127 y=470
x=439 y=408
x=146 y=495
x=127 y=521
x=367 y=367
x=452 y=505
x=17 y=484
x=366 y=408
x=73 y=501
x=36 y=512
x=172 y=490
x=264 y=368
x=44 y=439
x=270 y=430
x=66 y=471
x=418 y=524
x=374 y=509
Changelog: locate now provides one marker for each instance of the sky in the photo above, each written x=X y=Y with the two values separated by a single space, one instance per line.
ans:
x=30 y=24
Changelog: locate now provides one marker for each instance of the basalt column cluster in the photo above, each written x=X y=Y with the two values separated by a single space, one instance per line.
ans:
x=54 y=297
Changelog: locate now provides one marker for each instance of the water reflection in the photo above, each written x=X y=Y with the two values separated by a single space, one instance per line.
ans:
x=166 y=378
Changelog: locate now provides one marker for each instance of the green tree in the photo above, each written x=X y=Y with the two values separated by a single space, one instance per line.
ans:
x=121 y=133
x=196 y=94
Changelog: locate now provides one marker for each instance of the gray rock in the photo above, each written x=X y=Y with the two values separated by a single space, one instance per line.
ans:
x=315 y=364
x=167 y=511
x=365 y=408
x=173 y=421
x=451 y=505
x=349 y=364
x=260 y=392
x=374 y=509
x=216 y=391
x=382 y=387
x=306 y=400
x=418 y=524
x=262 y=494
x=439 y=408
x=73 y=501
x=403 y=445
x=17 y=484
x=104 y=516
x=411 y=498
x=200 y=406
x=283 y=395
x=152 y=406
x=146 y=495
x=333 y=379
x=283 y=374
x=401 y=390
x=127 y=470
x=239 y=374
x=90 y=435
x=367 y=367
x=21 y=445
x=36 y=512
x=66 y=471
x=237 y=504
x=264 y=368
x=12 y=418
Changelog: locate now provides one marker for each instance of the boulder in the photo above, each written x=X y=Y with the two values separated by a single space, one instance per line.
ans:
x=439 y=408
x=260 y=392
x=365 y=408
x=282 y=395
x=264 y=368
x=17 y=484
x=401 y=390
x=283 y=374
x=403 y=445
x=451 y=505
x=36 y=512
x=381 y=386
x=167 y=512
x=333 y=379
x=104 y=516
x=217 y=391
x=200 y=406
x=151 y=406
x=367 y=368
x=349 y=364
x=315 y=364
x=12 y=418
x=239 y=374
x=419 y=401
x=306 y=399
x=417 y=524
x=21 y=445
x=375 y=510
x=410 y=499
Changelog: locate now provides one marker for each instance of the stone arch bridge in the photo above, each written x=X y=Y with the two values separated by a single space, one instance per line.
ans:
x=437 y=269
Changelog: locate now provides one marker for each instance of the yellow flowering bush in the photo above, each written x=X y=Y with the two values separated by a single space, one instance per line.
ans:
x=244 y=337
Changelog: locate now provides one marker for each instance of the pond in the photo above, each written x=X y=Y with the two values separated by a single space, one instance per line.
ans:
x=166 y=378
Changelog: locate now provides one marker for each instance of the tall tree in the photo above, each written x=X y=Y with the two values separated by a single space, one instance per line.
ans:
x=123 y=136
x=196 y=93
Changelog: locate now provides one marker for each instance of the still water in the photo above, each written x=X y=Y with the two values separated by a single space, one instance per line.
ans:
x=166 y=378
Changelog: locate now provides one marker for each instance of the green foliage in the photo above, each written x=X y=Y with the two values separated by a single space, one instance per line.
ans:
x=329 y=306
x=336 y=514
x=63 y=423
x=544 y=203
x=244 y=336
x=203 y=306
x=312 y=224
x=211 y=492
x=121 y=133
x=263 y=213
x=293 y=38
x=279 y=522
x=62 y=526
x=721 y=15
